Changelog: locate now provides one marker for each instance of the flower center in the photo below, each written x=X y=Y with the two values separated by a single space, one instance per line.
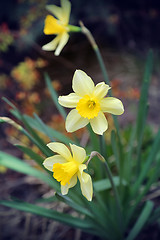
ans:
x=88 y=107
x=64 y=172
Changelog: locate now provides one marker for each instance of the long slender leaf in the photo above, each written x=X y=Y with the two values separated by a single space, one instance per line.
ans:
x=105 y=184
x=34 y=156
x=55 y=134
x=151 y=157
x=52 y=214
x=20 y=166
x=54 y=95
x=143 y=218
x=143 y=106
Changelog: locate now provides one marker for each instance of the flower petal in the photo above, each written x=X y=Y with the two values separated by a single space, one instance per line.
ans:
x=79 y=153
x=112 y=105
x=63 y=41
x=69 y=101
x=56 y=11
x=86 y=185
x=100 y=90
x=65 y=188
x=61 y=149
x=50 y=161
x=74 y=121
x=99 y=124
x=82 y=84
x=51 y=46
x=66 y=9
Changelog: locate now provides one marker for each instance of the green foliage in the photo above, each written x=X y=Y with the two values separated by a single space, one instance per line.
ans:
x=120 y=209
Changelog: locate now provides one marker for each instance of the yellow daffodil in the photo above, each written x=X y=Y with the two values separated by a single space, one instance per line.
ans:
x=90 y=104
x=58 y=26
x=66 y=167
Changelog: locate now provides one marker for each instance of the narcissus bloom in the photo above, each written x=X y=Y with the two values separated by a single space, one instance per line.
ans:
x=67 y=166
x=90 y=104
x=58 y=26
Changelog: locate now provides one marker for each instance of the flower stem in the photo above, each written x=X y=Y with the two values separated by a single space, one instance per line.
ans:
x=73 y=28
x=105 y=75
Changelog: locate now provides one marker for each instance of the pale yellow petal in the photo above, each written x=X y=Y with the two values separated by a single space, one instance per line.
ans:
x=65 y=188
x=66 y=9
x=51 y=46
x=82 y=84
x=112 y=105
x=101 y=90
x=56 y=11
x=63 y=41
x=79 y=153
x=61 y=149
x=50 y=161
x=86 y=185
x=74 y=121
x=99 y=124
x=69 y=101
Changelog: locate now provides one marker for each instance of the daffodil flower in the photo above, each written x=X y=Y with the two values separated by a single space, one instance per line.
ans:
x=66 y=167
x=90 y=104
x=58 y=26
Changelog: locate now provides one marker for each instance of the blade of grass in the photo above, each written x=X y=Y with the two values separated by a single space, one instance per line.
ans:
x=141 y=221
x=142 y=107
x=20 y=166
x=54 y=95
x=52 y=214
x=153 y=152
x=34 y=156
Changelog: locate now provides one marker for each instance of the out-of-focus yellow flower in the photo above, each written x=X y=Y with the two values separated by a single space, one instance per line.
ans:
x=58 y=26
x=66 y=167
x=89 y=102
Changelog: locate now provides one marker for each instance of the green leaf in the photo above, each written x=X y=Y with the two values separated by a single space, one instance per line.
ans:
x=54 y=96
x=34 y=156
x=141 y=221
x=115 y=149
x=74 y=205
x=105 y=184
x=55 y=134
x=151 y=157
x=52 y=214
x=20 y=166
x=143 y=107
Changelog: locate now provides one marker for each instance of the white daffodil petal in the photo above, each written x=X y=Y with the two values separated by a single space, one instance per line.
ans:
x=61 y=149
x=73 y=181
x=81 y=168
x=64 y=189
x=99 y=124
x=69 y=101
x=86 y=185
x=82 y=84
x=66 y=9
x=51 y=45
x=79 y=153
x=56 y=11
x=112 y=105
x=74 y=121
x=63 y=41
x=50 y=161
x=100 y=90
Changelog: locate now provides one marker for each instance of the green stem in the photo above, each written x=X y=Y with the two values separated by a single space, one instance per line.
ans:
x=104 y=71
x=74 y=28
